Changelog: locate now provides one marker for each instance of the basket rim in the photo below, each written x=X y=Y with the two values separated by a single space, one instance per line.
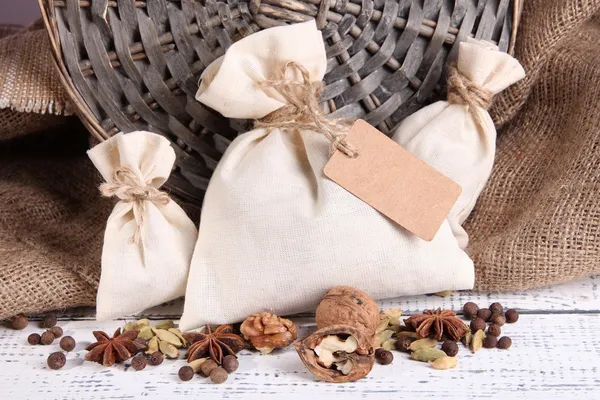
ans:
x=85 y=113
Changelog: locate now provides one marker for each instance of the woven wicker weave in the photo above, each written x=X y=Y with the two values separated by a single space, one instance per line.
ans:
x=131 y=65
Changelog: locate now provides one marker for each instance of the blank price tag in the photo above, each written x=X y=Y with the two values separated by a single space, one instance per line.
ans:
x=394 y=181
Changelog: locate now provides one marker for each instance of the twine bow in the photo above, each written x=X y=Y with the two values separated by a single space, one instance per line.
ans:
x=462 y=90
x=303 y=111
x=127 y=187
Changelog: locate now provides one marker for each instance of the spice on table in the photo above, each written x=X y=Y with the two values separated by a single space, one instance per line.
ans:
x=197 y=364
x=427 y=355
x=19 y=322
x=450 y=348
x=496 y=308
x=422 y=344
x=490 y=342
x=477 y=324
x=156 y=358
x=186 y=373
x=34 y=339
x=208 y=367
x=163 y=337
x=67 y=343
x=444 y=363
x=485 y=314
x=498 y=319
x=49 y=321
x=384 y=357
x=504 y=343
x=403 y=343
x=467 y=338
x=57 y=331
x=107 y=350
x=47 y=338
x=438 y=322
x=477 y=341
x=139 y=362
x=511 y=316
x=56 y=360
x=214 y=344
x=267 y=331
x=470 y=310
x=230 y=363
x=494 y=330
x=218 y=375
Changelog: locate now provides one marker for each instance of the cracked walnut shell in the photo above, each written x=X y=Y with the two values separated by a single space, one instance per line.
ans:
x=267 y=331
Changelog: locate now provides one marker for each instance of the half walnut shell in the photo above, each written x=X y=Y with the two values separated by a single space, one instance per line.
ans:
x=348 y=366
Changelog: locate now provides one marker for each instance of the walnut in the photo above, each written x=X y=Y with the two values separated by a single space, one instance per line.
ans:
x=345 y=305
x=267 y=331
x=338 y=353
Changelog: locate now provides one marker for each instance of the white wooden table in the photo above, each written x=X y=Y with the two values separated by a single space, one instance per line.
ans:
x=555 y=355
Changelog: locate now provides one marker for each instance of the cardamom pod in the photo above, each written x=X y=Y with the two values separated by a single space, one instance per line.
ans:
x=142 y=322
x=477 y=341
x=467 y=338
x=383 y=324
x=444 y=293
x=168 y=337
x=389 y=344
x=393 y=314
x=422 y=344
x=168 y=349
x=444 y=363
x=382 y=337
x=428 y=354
x=164 y=325
x=197 y=364
x=146 y=333
x=152 y=345
x=178 y=333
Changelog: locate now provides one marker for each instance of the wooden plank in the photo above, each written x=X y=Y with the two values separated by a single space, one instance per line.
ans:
x=553 y=356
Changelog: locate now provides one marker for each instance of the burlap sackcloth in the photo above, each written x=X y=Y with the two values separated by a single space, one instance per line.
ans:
x=537 y=223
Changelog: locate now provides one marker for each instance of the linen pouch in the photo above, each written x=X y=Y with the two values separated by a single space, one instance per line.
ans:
x=457 y=137
x=275 y=234
x=149 y=239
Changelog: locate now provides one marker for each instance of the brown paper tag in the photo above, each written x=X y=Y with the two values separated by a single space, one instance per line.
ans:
x=394 y=181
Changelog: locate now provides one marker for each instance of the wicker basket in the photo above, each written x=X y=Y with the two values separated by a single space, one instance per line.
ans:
x=131 y=65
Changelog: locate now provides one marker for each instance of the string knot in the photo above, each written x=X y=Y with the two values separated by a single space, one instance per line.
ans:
x=303 y=110
x=462 y=90
x=129 y=188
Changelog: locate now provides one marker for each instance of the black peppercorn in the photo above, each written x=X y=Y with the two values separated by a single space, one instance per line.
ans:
x=470 y=310
x=504 y=343
x=494 y=330
x=512 y=316
x=490 y=342
x=384 y=357
x=230 y=363
x=156 y=358
x=186 y=373
x=56 y=360
x=57 y=331
x=138 y=362
x=218 y=375
x=49 y=321
x=496 y=308
x=34 y=339
x=67 y=343
x=450 y=348
x=19 y=322
x=484 y=314
x=498 y=319
x=403 y=343
x=477 y=324
x=208 y=367
x=47 y=338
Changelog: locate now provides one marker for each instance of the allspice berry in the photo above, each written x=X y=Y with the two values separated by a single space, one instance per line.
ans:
x=34 y=339
x=496 y=308
x=478 y=324
x=504 y=343
x=156 y=358
x=186 y=373
x=56 y=360
x=384 y=357
x=49 y=321
x=208 y=366
x=218 y=375
x=511 y=316
x=19 y=322
x=139 y=362
x=403 y=343
x=450 y=348
x=230 y=363
x=490 y=342
x=47 y=338
x=494 y=330
x=498 y=319
x=485 y=314
x=57 y=331
x=470 y=310
x=67 y=343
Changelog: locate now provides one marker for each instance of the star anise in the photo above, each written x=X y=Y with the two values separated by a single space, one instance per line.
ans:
x=438 y=323
x=107 y=350
x=214 y=344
